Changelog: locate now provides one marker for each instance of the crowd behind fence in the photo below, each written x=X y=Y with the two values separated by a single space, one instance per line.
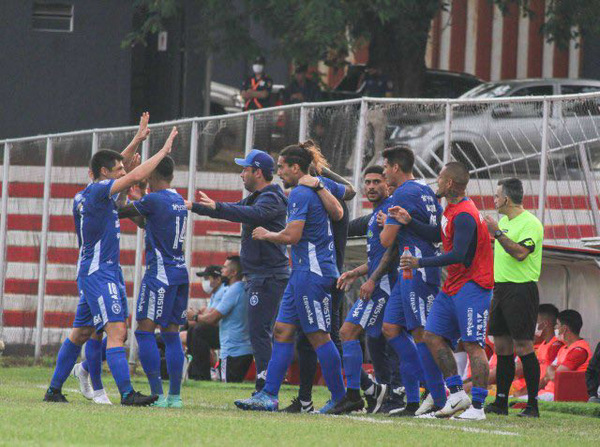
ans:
x=551 y=143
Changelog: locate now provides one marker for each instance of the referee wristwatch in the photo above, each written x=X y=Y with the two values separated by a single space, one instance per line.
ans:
x=498 y=233
x=319 y=186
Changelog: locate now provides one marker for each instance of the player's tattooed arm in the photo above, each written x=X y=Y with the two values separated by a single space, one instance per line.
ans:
x=350 y=191
x=290 y=235
x=390 y=255
x=129 y=211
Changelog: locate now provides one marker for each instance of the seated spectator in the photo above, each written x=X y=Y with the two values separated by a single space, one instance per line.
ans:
x=302 y=89
x=575 y=355
x=231 y=314
x=201 y=338
x=547 y=346
x=592 y=377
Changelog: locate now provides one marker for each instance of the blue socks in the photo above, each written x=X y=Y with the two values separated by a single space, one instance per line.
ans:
x=175 y=358
x=117 y=362
x=478 y=396
x=93 y=361
x=281 y=358
x=353 y=359
x=410 y=365
x=433 y=376
x=331 y=368
x=150 y=360
x=67 y=356
x=454 y=384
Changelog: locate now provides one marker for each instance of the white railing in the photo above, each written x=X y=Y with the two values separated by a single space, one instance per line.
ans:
x=551 y=143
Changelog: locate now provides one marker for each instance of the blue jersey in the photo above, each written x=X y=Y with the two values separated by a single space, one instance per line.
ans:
x=315 y=252
x=98 y=228
x=336 y=189
x=375 y=250
x=166 y=218
x=422 y=204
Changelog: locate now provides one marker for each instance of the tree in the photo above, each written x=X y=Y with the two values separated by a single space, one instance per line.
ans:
x=396 y=30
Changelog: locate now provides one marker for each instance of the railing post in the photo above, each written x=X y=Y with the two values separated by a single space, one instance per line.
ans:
x=448 y=133
x=590 y=185
x=191 y=194
x=137 y=272
x=359 y=151
x=3 y=226
x=39 y=323
x=249 y=141
x=543 y=161
x=94 y=142
x=303 y=125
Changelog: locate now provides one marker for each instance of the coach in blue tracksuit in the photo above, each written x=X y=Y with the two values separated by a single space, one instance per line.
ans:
x=265 y=265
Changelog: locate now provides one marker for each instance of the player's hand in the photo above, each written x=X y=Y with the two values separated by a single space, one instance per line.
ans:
x=206 y=201
x=308 y=180
x=400 y=214
x=143 y=130
x=169 y=143
x=366 y=290
x=409 y=262
x=137 y=191
x=345 y=281
x=259 y=233
x=381 y=217
x=191 y=313
x=188 y=204
x=491 y=224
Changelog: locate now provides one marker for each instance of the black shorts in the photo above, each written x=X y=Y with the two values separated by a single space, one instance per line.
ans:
x=514 y=310
x=234 y=369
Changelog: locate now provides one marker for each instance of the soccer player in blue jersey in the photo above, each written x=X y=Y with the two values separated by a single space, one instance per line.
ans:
x=411 y=299
x=164 y=290
x=103 y=304
x=306 y=302
x=366 y=314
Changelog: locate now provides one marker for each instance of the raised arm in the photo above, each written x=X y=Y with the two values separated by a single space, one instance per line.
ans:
x=131 y=149
x=330 y=202
x=350 y=191
x=145 y=169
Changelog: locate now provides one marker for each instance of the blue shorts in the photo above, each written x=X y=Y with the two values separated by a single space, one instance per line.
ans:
x=306 y=302
x=464 y=315
x=162 y=304
x=369 y=314
x=102 y=299
x=410 y=303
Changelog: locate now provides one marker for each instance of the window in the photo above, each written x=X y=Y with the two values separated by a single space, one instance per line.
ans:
x=52 y=17
x=580 y=107
x=533 y=109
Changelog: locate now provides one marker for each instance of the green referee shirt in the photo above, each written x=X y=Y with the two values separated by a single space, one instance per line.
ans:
x=525 y=230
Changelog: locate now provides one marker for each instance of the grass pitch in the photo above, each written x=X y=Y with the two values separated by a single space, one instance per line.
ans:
x=210 y=418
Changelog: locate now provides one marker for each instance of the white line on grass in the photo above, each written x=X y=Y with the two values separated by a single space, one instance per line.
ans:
x=447 y=427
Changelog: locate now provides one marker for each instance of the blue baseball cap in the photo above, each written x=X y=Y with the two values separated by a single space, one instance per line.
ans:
x=257 y=159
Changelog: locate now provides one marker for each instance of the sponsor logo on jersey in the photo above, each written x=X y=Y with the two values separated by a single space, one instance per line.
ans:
x=160 y=301
x=326 y=311
x=254 y=299
x=116 y=308
x=470 y=324
x=309 y=313
x=377 y=311
x=97 y=320
x=179 y=207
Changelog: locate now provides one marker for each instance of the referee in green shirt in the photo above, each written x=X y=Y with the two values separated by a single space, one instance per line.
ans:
x=513 y=313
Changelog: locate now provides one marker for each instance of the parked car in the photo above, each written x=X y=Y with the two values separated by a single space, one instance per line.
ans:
x=497 y=132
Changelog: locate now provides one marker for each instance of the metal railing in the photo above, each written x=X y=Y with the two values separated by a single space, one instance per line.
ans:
x=551 y=143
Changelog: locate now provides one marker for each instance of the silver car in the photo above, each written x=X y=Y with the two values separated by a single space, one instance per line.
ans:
x=485 y=134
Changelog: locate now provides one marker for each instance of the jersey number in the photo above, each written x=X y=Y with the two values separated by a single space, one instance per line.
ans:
x=179 y=232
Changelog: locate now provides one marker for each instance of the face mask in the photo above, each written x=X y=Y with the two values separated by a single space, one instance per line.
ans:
x=206 y=286
x=257 y=68
x=559 y=336
x=538 y=330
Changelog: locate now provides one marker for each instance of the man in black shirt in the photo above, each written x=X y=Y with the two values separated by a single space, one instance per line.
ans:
x=256 y=89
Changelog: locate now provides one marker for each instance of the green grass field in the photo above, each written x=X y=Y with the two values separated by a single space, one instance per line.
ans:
x=210 y=418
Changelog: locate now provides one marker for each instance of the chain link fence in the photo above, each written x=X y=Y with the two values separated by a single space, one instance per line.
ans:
x=551 y=143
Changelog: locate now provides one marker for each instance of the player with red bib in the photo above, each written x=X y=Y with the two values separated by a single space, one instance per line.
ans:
x=461 y=309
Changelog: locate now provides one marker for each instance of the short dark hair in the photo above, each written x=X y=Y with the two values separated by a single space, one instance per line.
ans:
x=165 y=168
x=400 y=155
x=104 y=158
x=548 y=310
x=236 y=260
x=513 y=189
x=375 y=169
x=297 y=155
x=572 y=319
x=458 y=172
x=266 y=173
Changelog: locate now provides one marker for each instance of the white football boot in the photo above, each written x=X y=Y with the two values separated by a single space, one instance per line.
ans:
x=472 y=414
x=83 y=377
x=101 y=398
x=456 y=402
